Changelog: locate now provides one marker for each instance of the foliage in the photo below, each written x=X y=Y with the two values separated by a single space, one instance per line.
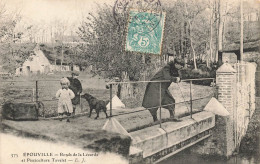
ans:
x=184 y=32
x=202 y=72
x=8 y=22
x=72 y=53
x=104 y=37
x=12 y=55
x=177 y=31
x=105 y=40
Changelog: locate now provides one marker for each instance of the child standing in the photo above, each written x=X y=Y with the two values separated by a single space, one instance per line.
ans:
x=65 y=95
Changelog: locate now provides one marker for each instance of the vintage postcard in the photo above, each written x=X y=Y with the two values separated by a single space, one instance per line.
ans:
x=129 y=81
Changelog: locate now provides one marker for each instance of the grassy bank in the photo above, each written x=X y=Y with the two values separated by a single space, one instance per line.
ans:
x=250 y=143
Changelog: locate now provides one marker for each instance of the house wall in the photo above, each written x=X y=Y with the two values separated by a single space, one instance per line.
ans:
x=229 y=58
x=36 y=63
x=247 y=56
x=76 y=68
x=59 y=68
x=251 y=56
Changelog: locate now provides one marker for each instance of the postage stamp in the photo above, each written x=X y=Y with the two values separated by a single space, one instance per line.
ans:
x=145 y=32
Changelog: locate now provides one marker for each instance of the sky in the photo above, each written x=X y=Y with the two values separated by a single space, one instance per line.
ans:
x=49 y=10
x=44 y=13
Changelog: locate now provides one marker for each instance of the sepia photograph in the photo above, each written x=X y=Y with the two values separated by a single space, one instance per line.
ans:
x=130 y=81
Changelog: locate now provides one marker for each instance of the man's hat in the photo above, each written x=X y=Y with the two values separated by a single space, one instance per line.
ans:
x=177 y=61
x=75 y=73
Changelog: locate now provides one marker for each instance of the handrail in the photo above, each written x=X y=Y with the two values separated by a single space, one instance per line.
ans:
x=158 y=81
x=110 y=85
x=116 y=82
x=11 y=81
x=161 y=106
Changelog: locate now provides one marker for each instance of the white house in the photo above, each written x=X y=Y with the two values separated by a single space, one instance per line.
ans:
x=38 y=63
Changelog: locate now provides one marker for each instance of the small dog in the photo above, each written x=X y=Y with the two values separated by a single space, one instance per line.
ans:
x=96 y=104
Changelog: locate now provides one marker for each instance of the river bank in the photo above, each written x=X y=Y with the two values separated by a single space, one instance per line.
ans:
x=250 y=143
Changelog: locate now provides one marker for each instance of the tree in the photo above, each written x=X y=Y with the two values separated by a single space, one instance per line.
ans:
x=8 y=22
x=192 y=28
x=211 y=31
x=105 y=40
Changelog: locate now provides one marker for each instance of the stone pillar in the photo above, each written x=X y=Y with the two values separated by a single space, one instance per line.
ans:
x=225 y=126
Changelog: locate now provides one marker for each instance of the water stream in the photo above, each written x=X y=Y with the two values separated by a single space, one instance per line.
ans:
x=187 y=157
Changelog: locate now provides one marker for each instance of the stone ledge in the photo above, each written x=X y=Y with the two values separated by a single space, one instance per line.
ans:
x=154 y=139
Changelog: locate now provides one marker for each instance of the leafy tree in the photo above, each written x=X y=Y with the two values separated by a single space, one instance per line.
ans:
x=8 y=22
x=105 y=45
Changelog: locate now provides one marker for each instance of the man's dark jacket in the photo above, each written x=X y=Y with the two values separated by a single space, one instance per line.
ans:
x=76 y=87
x=152 y=96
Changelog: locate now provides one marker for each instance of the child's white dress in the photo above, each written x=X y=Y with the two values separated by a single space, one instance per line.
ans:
x=64 y=103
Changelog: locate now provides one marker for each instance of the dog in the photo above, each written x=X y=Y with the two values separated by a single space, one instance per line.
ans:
x=96 y=104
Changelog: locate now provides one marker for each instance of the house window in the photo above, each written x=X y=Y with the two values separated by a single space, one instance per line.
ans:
x=21 y=69
x=28 y=68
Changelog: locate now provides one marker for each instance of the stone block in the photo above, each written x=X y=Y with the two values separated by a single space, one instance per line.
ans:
x=20 y=111
x=150 y=140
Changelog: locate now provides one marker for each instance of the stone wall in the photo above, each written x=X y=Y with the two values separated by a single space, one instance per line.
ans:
x=236 y=92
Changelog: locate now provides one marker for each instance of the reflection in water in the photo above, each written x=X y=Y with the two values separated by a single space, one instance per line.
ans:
x=187 y=157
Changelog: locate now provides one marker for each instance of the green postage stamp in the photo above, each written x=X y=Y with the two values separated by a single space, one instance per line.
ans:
x=145 y=32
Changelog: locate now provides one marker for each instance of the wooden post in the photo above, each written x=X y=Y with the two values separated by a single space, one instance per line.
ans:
x=249 y=102
x=190 y=100
x=110 y=100
x=160 y=104
x=32 y=94
x=241 y=30
x=37 y=91
x=80 y=102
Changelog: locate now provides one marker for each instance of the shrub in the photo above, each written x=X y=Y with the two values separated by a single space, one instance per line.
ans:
x=199 y=73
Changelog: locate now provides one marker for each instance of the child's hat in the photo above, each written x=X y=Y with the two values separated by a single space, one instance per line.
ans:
x=64 y=80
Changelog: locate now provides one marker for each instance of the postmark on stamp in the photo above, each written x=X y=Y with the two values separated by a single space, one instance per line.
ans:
x=145 y=31
x=122 y=7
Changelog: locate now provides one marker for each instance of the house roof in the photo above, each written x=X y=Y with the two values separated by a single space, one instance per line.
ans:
x=51 y=56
